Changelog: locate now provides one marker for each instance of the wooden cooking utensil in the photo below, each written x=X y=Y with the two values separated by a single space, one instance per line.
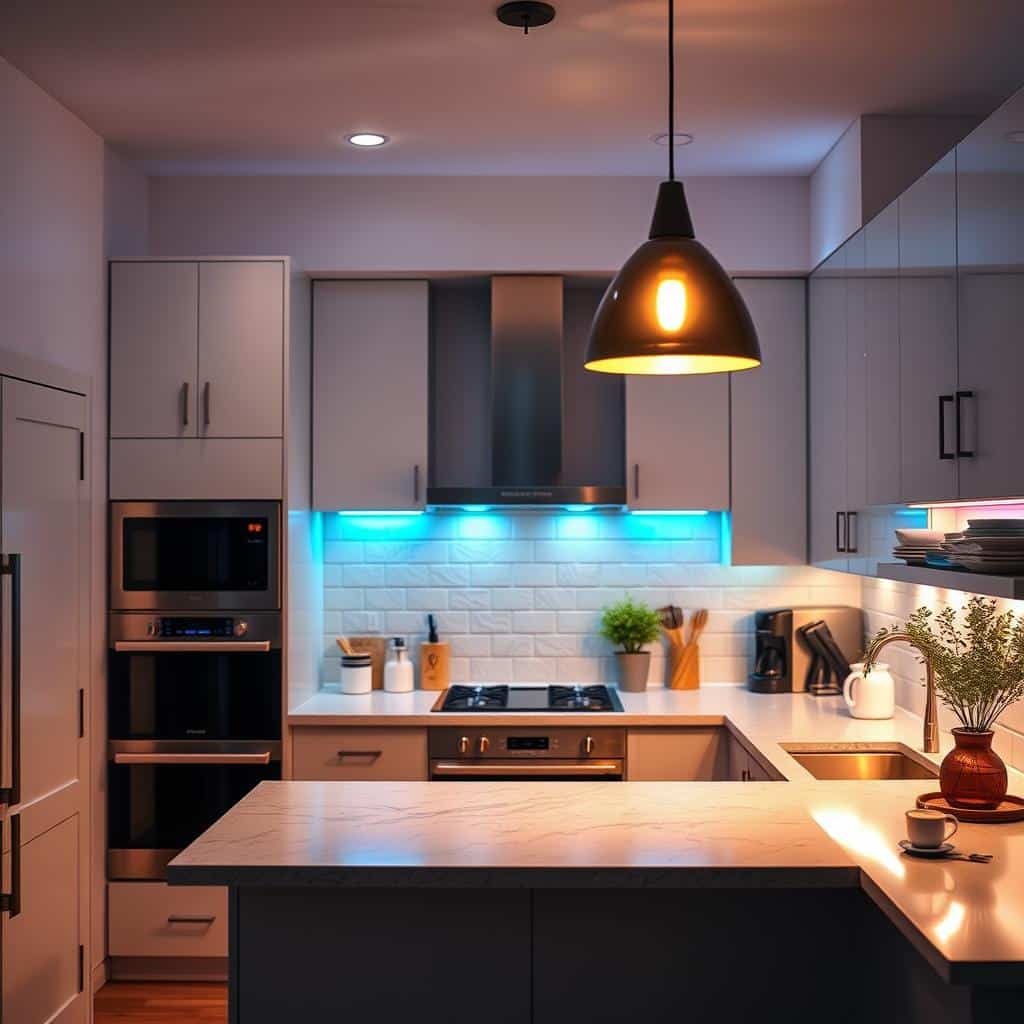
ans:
x=346 y=647
x=685 y=662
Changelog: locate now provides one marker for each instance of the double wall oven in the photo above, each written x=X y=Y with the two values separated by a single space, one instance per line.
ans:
x=195 y=675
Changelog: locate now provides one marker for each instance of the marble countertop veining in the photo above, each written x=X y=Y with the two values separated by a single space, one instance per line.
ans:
x=967 y=919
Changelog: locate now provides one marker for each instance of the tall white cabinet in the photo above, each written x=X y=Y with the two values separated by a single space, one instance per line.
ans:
x=44 y=800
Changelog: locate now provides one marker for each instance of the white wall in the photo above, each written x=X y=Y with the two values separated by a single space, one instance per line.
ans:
x=56 y=226
x=835 y=196
x=432 y=224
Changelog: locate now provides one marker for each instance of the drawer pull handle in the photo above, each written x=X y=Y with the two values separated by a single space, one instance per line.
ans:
x=263 y=757
x=371 y=754
x=186 y=919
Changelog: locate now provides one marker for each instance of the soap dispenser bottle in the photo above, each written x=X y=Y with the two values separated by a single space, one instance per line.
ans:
x=398 y=672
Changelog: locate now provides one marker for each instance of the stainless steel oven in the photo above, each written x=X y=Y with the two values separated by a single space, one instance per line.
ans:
x=194 y=720
x=527 y=753
x=195 y=555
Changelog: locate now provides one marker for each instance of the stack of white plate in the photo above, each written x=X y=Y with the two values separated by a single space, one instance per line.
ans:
x=912 y=546
x=989 y=545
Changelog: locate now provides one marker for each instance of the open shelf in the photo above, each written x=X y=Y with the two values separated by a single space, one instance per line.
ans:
x=1011 y=587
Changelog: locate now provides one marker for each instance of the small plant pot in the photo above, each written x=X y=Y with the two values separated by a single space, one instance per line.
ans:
x=633 y=670
x=972 y=775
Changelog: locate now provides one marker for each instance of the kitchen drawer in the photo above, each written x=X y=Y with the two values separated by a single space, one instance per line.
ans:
x=355 y=754
x=154 y=919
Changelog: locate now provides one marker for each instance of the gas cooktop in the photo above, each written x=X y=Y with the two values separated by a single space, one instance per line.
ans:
x=529 y=698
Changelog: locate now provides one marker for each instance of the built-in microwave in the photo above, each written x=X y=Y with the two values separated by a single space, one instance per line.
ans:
x=195 y=555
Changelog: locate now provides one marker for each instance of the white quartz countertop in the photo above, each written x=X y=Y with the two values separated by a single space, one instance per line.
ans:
x=968 y=919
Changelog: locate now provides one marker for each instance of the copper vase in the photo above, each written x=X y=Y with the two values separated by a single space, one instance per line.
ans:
x=973 y=775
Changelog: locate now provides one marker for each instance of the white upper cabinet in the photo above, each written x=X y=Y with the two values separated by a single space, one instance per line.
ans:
x=990 y=240
x=928 y=335
x=153 y=349
x=677 y=442
x=769 y=429
x=241 y=349
x=370 y=394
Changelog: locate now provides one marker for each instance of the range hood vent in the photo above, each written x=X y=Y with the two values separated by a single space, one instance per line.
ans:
x=556 y=431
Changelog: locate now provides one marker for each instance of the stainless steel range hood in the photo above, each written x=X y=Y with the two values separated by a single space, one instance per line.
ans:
x=543 y=406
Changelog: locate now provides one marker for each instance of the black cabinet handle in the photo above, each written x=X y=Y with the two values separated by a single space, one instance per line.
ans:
x=841 y=531
x=10 y=902
x=636 y=481
x=943 y=454
x=851 y=531
x=961 y=452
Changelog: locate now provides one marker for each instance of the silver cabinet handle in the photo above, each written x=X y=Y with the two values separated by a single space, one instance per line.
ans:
x=10 y=902
x=12 y=794
x=416 y=484
x=263 y=757
x=636 y=480
x=600 y=769
x=184 y=403
x=192 y=646
x=191 y=919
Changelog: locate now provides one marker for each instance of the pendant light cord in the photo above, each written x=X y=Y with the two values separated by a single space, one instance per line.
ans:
x=671 y=91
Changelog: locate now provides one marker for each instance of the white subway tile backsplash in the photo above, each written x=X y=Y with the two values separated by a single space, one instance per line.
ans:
x=533 y=574
x=407 y=575
x=534 y=622
x=449 y=576
x=512 y=645
x=491 y=575
x=490 y=622
x=513 y=598
x=343 y=598
x=384 y=599
x=556 y=646
x=470 y=646
x=471 y=599
x=427 y=599
x=554 y=599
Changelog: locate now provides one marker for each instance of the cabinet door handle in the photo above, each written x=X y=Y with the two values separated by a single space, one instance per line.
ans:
x=206 y=404
x=369 y=755
x=963 y=453
x=192 y=919
x=943 y=454
x=636 y=481
x=10 y=902
x=12 y=567
x=840 y=531
x=184 y=403
x=851 y=532
x=416 y=483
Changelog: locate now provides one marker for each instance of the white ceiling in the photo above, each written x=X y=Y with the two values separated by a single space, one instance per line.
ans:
x=765 y=86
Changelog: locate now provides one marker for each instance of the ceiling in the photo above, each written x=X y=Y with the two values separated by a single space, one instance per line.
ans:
x=258 y=86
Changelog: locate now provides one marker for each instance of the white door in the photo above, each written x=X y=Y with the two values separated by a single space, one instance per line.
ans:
x=928 y=335
x=370 y=387
x=153 y=333
x=241 y=349
x=677 y=442
x=826 y=423
x=45 y=617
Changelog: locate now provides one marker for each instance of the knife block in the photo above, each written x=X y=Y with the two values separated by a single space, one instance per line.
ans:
x=434 y=666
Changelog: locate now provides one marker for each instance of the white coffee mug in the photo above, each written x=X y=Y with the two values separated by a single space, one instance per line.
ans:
x=871 y=695
x=927 y=828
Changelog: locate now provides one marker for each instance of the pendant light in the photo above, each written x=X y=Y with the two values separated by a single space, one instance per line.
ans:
x=672 y=308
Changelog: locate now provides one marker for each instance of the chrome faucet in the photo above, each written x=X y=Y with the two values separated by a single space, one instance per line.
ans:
x=931 y=718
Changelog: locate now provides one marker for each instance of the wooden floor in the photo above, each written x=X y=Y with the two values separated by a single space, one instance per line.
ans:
x=130 y=1002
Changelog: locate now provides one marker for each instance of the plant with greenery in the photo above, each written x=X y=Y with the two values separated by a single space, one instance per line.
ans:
x=631 y=624
x=978 y=663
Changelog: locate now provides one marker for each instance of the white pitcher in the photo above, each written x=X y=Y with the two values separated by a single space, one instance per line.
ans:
x=872 y=695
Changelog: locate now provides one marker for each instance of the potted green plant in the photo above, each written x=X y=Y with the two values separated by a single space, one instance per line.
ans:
x=978 y=660
x=631 y=625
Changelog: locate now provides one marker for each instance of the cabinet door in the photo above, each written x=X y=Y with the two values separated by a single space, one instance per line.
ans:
x=856 y=404
x=739 y=762
x=882 y=357
x=370 y=386
x=827 y=413
x=677 y=755
x=153 y=339
x=769 y=430
x=43 y=966
x=928 y=335
x=241 y=349
x=45 y=523
x=677 y=442
x=990 y=207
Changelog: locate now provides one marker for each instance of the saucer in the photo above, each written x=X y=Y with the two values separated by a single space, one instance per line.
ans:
x=926 y=851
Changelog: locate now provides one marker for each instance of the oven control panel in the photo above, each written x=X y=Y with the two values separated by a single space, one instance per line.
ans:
x=152 y=630
x=527 y=743
x=169 y=627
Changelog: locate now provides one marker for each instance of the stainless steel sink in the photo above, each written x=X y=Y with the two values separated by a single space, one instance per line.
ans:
x=862 y=763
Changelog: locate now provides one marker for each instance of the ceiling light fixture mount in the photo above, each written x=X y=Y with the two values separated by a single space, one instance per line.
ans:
x=367 y=140
x=672 y=308
x=525 y=14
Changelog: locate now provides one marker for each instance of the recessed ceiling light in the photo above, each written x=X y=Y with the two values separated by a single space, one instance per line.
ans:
x=1017 y=136
x=681 y=138
x=367 y=140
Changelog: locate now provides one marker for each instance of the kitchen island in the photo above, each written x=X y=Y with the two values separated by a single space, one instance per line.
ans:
x=595 y=901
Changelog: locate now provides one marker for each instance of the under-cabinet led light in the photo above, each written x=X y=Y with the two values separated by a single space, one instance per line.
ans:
x=381 y=512
x=669 y=512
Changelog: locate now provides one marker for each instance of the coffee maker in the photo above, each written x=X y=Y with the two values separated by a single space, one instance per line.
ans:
x=807 y=649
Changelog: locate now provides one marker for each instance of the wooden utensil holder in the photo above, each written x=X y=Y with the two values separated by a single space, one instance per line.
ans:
x=434 y=666
x=684 y=667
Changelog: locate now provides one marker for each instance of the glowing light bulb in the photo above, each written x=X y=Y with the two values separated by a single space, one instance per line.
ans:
x=670 y=304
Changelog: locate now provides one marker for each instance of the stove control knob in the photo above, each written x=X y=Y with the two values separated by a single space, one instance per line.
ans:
x=152 y=627
x=241 y=627
x=484 y=745
x=588 y=745
x=463 y=744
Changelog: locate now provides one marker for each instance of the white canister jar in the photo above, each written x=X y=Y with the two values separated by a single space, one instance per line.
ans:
x=356 y=673
x=872 y=694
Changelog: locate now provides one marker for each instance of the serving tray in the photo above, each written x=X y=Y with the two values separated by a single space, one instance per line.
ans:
x=1011 y=809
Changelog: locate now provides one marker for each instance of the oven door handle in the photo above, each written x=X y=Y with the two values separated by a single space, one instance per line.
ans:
x=192 y=646
x=260 y=757
x=576 y=769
